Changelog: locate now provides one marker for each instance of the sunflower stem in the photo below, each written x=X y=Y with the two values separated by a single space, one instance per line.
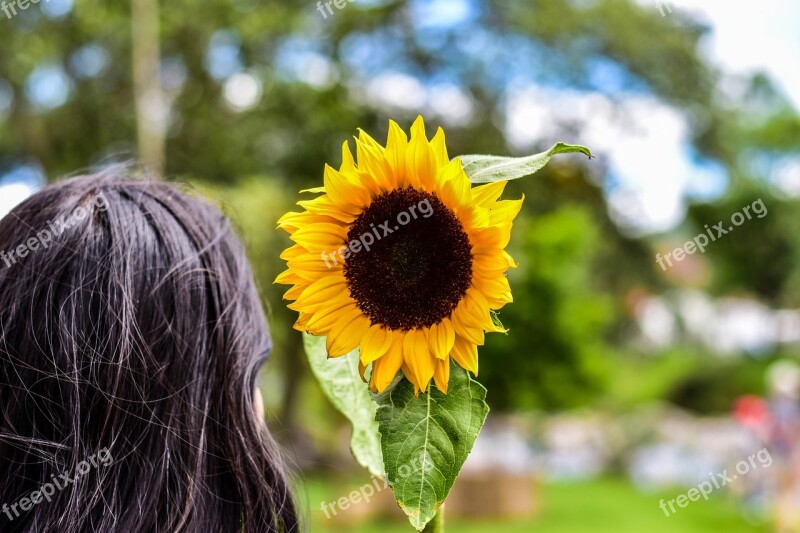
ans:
x=437 y=524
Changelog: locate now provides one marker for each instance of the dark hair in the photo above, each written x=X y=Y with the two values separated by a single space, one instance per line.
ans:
x=131 y=336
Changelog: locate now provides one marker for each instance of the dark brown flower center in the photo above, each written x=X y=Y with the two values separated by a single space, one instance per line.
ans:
x=413 y=262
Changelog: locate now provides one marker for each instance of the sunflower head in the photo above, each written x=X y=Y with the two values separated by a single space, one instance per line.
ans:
x=400 y=256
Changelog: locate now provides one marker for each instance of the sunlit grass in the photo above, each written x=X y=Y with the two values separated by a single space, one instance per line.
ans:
x=599 y=506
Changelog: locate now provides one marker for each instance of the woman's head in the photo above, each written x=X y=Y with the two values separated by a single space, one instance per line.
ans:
x=131 y=335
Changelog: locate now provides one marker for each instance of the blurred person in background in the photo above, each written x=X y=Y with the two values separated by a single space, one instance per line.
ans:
x=783 y=380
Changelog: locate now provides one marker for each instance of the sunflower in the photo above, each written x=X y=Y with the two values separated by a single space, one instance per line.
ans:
x=401 y=257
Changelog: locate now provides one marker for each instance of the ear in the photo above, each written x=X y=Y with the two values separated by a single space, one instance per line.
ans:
x=258 y=403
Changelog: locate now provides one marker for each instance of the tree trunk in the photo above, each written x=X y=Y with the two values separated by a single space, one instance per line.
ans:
x=151 y=108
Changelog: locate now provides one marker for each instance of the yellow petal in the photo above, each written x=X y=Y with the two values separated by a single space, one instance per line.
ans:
x=475 y=310
x=489 y=261
x=302 y=322
x=292 y=252
x=294 y=292
x=291 y=222
x=472 y=334
x=348 y=163
x=418 y=358
x=453 y=185
x=474 y=216
x=323 y=205
x=335 y=298
x=511 y=262
x=322 y=237
x=322 y=292
x=289 y=216
x=365 y=138
x=468 y=320
x=362 y=368
x=313 y=266
x=495 y=289
x=348 y=194
x=420 y=159
x=439 y=145
x=441 y=338
x=346 y=334
x=486 y=195
x=396 y=147
x=288 y=277
x=466 y=355
x=375 y=344
x=407 y=373
x=321 y=322
x=441 y=376
x=375 y=172
x=505 y=211
x=494 y=236
x=386 y=368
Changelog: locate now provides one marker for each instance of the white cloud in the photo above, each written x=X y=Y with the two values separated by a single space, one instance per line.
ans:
x=643 y=141
x=398 y=91
x=395 y=90
x=748 y=37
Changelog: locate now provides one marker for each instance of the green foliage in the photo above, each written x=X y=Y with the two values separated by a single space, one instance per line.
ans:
x=487 y=168
x=342 y=385
x=762 y=254
x=563 y=327
x=606 y=505
x=556 y=343
x=427 y=437
x=716 y=385
x=298 y=126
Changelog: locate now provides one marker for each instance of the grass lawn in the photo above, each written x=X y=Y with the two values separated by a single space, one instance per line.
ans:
x=598 y=506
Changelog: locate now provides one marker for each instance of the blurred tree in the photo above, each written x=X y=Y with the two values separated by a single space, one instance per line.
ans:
x=556 y=346
x=268 y=87
x=761 y=256
x=259 y=95
x=150 y=104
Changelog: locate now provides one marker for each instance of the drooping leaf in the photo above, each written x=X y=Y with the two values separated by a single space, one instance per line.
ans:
x=342 y=385
x=426 y=439
x=489 y=168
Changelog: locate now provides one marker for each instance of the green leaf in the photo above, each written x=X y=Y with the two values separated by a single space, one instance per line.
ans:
x=426 y=439
x=489 y=168
x=342 y=385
